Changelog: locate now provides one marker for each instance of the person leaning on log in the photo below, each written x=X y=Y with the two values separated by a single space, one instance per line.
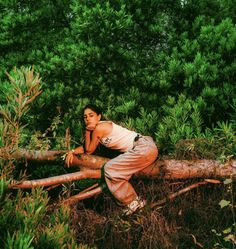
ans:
x=138 y=153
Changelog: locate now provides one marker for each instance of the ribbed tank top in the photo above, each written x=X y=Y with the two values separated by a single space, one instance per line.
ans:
x=120 y=138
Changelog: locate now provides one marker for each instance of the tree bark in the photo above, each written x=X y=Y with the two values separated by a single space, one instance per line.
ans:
x=168 y=169
x=33 y=155
x=55 y=180
x=83 y=195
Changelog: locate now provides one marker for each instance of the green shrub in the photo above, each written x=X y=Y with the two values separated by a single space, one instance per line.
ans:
x=28 y=221
x=182 y=120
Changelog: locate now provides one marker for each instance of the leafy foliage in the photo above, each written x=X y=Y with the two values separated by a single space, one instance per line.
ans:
x=28 y=222
x=181 y=121
x=125 y=57
x=218 y=143
x=227 y=238
x=23 y=89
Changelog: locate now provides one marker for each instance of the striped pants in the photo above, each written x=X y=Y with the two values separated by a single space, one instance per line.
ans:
x=120 y=169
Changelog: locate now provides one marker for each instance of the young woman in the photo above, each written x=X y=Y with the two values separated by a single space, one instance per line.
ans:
x=138 y=153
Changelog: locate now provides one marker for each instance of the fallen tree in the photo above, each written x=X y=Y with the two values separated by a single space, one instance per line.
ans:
x=90 y=167
x=167 y=169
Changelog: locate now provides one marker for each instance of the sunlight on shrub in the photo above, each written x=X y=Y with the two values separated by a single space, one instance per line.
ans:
x=19 y=240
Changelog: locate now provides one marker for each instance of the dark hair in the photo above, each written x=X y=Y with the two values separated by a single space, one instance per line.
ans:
x=93 y=108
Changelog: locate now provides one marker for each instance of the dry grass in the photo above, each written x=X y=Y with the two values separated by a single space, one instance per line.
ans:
x=185 y=222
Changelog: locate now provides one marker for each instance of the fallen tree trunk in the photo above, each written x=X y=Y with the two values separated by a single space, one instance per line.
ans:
x=55 y=180
x=168 y=169
x=33 y=155
x=90 y=167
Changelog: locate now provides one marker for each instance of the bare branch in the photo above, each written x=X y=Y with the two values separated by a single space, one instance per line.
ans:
x=33 y=97
x=83 y=195
x=182 y=191
x=96 y=174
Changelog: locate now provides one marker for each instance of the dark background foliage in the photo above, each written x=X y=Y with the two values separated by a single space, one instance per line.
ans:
x=136 y=59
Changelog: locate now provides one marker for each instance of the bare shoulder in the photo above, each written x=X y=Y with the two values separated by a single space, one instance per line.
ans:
x=104 y=128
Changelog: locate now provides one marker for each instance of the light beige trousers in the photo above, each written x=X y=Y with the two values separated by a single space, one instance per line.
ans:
x=120 y=169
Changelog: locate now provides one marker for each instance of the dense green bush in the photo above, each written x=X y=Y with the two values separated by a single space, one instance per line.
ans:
x=27 y=221
x=129 y=58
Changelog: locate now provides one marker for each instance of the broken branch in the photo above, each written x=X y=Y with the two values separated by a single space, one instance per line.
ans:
x=96 y=174
x=182 y=191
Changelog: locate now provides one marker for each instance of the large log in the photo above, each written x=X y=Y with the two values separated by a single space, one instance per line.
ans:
x=55 y=180
x=168 y=169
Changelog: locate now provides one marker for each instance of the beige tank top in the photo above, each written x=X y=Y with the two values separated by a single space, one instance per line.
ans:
x=120 y=138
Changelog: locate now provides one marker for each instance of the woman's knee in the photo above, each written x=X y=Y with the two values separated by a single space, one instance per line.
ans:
x=108 y=170
x=113 y=173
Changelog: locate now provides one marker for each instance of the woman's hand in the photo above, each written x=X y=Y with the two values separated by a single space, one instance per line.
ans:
x=72 y=153
x=91 y=127
x=69 y=158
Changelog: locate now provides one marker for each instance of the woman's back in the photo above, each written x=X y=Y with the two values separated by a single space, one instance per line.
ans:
x=118 y=138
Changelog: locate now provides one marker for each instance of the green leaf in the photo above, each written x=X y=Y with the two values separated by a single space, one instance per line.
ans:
x=227 y=230
x=227 y=181
x=224 y=203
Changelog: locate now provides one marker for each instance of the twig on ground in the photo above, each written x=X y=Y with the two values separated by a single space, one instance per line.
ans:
x=182 y=191
x=87 y=193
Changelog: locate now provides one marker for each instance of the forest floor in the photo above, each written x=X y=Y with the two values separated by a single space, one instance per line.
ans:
x=192 y=220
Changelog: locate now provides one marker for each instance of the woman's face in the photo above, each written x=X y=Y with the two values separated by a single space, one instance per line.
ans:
x=91 y=118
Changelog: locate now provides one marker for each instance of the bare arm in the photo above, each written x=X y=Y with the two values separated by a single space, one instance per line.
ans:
x=78 y=150
x=93 y=135
x=91 y=143
x=92 y=140
x=72 y=153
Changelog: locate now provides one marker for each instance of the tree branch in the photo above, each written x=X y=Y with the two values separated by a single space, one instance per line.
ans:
x=168 y=169
x=87 y=193
x=182 y=191
x=96 y=174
